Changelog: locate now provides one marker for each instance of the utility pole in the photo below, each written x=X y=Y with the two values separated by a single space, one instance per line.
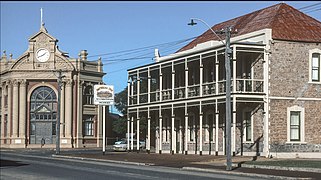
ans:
x=228 y=52
x=59 y=80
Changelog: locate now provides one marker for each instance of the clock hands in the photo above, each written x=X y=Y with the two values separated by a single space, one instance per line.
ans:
x=42 y=54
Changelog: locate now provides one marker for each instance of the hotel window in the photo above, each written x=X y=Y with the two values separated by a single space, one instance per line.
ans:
x=315 y=66
x=295 y=124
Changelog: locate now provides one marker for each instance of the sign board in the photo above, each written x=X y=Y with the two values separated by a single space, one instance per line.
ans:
x=104 y=95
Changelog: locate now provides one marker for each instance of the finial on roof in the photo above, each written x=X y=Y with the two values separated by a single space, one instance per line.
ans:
x=4 y=53
x=42 y=24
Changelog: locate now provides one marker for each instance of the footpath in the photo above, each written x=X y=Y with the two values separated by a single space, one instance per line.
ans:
x=249 y=166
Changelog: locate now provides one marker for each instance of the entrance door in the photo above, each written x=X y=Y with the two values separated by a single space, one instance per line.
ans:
x=43 y=113
x=44 y=131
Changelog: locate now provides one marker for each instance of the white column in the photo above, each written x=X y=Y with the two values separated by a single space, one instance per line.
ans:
x=148 y=132
x=3 y=95
x=79 y=114
x=234 y=127
x=186 y=79
x=138 y=87
x=201 y=128
x=62 y=111
x=9 y=120
x=128 y=92
x=132 y=135
x=266 y=138
x=186 y=129
x=234 y=69
x=15 y=109
x=173 y=139
x=22 y=110
x=180 y=136
x=216 y=128
x=216 y=73
x=132 y=92
x=148 y=86
x=173 y=81
x=201 y=76
x=68 y=119
x=137 y=129
x=160 y=130
x=128 y=132
x=160 y=84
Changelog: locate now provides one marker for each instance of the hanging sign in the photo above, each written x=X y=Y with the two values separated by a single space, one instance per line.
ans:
x=104 y=95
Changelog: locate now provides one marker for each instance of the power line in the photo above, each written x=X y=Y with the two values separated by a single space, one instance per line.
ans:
x=143 y=48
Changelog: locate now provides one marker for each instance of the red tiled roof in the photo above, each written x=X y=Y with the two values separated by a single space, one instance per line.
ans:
x=286 y=22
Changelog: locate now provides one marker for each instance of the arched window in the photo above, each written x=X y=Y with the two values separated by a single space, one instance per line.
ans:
x=43 y=115
x=88 y=95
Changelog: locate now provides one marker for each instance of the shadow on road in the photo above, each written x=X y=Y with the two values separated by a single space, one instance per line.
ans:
x=8 y=163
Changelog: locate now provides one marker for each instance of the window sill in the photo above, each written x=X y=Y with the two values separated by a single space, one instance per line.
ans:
x=248 y=142
x=295 y=142
x=314 y=82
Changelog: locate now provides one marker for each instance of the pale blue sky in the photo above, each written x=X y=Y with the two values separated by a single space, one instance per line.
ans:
x=109 y=27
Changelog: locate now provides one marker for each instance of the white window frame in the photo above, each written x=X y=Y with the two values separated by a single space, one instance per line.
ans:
x=89 y=130
x=311 y=52
x=302 y=129
x=244 y=127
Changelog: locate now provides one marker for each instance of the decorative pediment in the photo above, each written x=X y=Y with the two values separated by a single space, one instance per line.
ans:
x=42 y=35
x=59 y=62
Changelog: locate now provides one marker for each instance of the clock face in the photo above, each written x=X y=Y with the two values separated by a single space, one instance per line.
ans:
x=42 y=55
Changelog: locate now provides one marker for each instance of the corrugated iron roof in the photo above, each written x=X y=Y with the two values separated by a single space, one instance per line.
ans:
x=286 y=22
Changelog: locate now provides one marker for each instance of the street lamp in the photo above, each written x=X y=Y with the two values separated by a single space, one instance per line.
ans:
x=228 y=51
x=59 y=81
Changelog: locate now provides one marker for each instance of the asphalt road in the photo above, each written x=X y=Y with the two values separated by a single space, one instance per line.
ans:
x=40 y=165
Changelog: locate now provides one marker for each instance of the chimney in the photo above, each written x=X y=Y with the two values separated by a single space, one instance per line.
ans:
x=83 y=55
x=157 y=56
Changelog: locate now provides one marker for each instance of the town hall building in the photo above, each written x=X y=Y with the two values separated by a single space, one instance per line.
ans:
x=29 y=97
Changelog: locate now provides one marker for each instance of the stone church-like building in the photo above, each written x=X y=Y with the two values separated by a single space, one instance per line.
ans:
x=29 y=97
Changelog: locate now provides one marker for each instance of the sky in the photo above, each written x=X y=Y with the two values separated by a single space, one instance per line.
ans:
x=112 y=30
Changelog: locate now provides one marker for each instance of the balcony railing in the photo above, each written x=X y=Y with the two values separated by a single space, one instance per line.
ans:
x=208 y=88
x=179 y=93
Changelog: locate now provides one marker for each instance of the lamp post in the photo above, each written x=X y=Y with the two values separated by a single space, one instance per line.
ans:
x=59 y=81
x=228 y=51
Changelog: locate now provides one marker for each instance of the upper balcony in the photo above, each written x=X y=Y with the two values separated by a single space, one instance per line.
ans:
x=198 y=76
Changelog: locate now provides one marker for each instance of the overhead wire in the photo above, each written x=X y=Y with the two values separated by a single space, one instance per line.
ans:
x=170 y=46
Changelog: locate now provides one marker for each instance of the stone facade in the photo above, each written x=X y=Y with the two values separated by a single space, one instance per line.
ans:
x=29 y=97
x=290 y=86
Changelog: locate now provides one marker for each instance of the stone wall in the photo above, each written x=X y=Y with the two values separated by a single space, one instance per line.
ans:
x=288 y=84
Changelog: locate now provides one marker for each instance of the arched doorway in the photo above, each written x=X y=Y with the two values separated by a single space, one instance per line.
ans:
x=43 y=114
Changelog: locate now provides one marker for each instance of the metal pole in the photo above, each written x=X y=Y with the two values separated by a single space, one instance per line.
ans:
x=104 y=129
x=228 y=98
x=59 y=80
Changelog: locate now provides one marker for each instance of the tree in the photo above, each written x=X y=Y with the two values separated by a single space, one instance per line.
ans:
x=121 y=102
x=120 y=125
